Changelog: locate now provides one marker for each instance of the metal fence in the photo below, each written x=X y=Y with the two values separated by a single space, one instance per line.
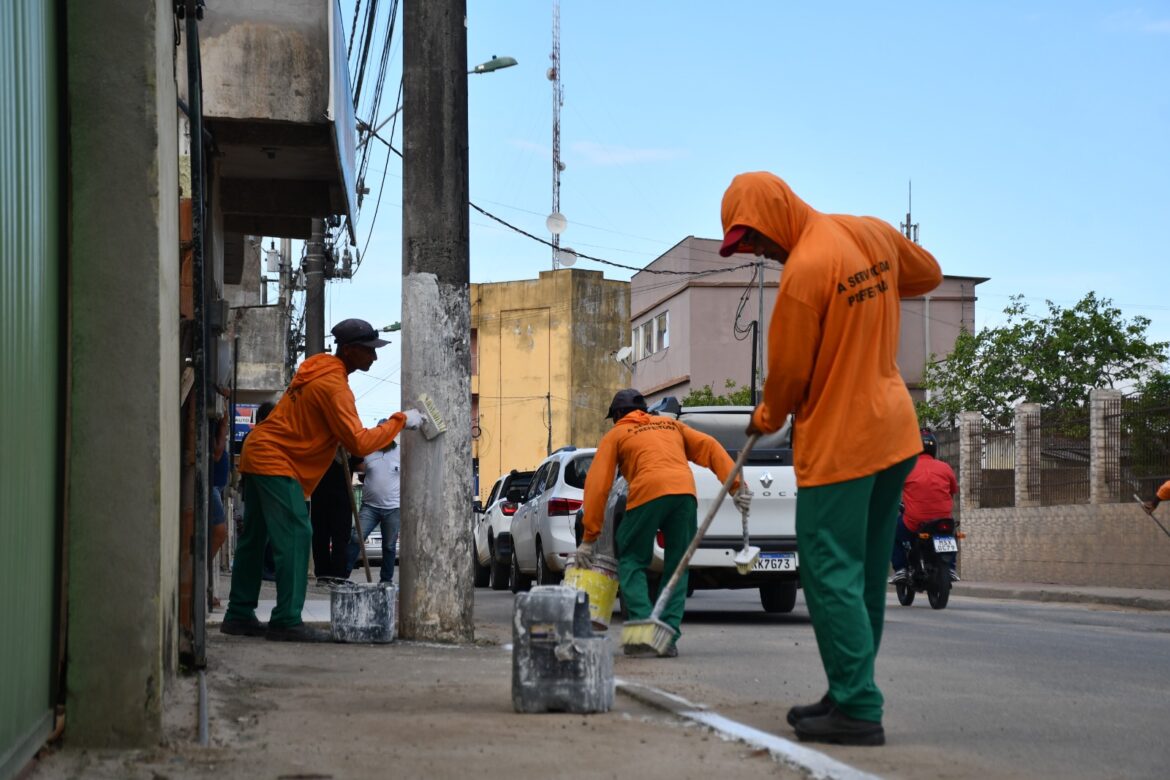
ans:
x=1137 y=444
x=1062 y=442
x=997 y=484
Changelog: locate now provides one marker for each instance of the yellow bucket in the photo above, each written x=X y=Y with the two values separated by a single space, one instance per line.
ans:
x=602 y=588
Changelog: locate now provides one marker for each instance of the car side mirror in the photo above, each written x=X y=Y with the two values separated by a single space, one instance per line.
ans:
x=516 y=495
x=476 y=506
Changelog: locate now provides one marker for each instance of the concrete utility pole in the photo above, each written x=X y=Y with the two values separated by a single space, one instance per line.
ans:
x=436 y=579
x=315 y=289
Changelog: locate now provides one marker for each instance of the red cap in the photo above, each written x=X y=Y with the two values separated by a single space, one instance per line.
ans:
x=732 y=239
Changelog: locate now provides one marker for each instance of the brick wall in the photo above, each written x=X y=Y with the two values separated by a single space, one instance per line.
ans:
x=1109 y=545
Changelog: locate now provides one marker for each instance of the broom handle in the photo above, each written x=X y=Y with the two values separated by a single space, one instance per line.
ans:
x=1151 y=514
x=664 y=596
x=353 y=510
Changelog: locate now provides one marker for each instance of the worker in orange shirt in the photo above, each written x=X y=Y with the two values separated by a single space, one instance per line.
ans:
x=284 y=458
x=832 y=351
x=1163 y=494
x=652 y=454
x=928 y=495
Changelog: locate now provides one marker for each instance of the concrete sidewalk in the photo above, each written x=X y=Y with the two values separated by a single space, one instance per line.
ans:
x=407 y=709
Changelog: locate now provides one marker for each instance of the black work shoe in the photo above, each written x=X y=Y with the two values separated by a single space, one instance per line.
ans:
x=640 y=651
x=817 y=710
x=670 y=652
x=251 y=627
x=301 y=633
x=837 y=728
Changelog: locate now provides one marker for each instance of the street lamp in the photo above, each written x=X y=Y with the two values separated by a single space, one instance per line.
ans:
x=495 y=63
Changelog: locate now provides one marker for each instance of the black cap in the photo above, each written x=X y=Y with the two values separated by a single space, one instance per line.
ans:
x=625 y=401
x=354 y=331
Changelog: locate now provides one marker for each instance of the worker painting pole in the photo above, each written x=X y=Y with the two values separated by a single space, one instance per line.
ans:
x=436 y=578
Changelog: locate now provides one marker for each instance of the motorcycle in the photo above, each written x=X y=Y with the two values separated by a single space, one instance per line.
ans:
x=928 y=563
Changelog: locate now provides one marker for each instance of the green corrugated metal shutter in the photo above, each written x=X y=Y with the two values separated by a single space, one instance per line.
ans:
x=30 y=355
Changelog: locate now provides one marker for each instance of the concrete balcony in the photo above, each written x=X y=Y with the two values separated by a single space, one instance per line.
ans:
x=278 y=102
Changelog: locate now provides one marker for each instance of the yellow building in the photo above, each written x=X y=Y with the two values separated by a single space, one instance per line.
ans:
x=543 y=369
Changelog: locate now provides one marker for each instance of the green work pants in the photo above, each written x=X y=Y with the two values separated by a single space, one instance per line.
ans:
x=274 y=509
x=845 y=532
x=675 y=516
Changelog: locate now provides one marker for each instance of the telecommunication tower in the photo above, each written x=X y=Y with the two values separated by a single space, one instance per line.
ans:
x=556 y=221
x=910 y=229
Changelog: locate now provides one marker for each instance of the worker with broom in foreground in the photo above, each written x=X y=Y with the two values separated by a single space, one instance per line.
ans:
x=652 y=454
x=832 y=350
x=283 y=460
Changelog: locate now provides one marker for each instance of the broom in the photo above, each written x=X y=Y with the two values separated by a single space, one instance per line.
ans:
x=653 y=632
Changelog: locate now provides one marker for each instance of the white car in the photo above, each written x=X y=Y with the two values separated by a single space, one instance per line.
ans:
x=492 y=530
x=771 y=523
x=543 y=533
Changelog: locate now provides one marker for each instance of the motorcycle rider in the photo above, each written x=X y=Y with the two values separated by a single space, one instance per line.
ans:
x=928 y=495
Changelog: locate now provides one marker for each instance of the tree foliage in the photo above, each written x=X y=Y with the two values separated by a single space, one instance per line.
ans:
x=705 y=396
x=1053 y=360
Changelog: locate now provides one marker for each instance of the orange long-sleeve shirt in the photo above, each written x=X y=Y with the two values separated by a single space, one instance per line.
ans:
x=652 y=453
x=1164 y=491
x=300 y=436
x=833 y=337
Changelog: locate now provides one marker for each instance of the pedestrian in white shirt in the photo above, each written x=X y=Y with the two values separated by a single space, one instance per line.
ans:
x=380 y=502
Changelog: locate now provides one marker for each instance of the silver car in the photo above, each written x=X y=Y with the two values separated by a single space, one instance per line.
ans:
x=492 y=530
x=543 y=533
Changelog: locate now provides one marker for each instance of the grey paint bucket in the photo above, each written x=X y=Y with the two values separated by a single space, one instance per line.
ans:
x=363 y=612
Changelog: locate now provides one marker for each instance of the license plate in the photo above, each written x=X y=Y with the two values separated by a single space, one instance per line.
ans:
x=945 y=544
x=776 y=562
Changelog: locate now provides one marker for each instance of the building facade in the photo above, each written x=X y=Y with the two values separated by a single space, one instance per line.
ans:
x=695 y=329
x=543 y=366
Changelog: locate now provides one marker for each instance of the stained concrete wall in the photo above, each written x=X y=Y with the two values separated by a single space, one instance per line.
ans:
x=123 y=459
x=1108 y=545
x=545 y=345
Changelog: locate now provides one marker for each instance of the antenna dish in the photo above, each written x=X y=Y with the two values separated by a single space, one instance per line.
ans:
x=556 y=223
x=566 y=256
x=623 y=353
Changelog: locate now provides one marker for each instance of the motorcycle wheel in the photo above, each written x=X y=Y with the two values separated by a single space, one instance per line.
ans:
x=905 y=593
x=939 y=591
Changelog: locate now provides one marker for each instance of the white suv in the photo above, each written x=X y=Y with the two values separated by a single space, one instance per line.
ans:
x=771 y=524
x=543 y=535
x=492 y=531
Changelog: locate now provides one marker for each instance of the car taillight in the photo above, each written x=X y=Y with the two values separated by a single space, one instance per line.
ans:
x=508 y=508
x=563 y=506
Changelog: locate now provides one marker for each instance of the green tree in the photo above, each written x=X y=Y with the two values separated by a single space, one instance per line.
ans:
x=1053 y=360
x=705 y=396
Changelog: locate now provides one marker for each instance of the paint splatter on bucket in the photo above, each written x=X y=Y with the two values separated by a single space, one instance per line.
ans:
x=363 y=612
x=602 y=587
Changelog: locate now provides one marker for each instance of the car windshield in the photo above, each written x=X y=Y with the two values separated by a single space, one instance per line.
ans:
x=728 y=428
x=576 y=469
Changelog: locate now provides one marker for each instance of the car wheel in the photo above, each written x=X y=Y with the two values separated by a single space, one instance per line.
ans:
x=497 y=570
x=544 y=575
x=481 y=571
x=778 y=597
x=517 y=581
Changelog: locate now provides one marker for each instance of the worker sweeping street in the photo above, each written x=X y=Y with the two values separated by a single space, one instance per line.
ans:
x=284 y=458
x=651 y=453
x=1163 y=494
x=832 y=352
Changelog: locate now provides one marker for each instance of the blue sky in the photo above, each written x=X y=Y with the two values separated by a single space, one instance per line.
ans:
x=1036 y=135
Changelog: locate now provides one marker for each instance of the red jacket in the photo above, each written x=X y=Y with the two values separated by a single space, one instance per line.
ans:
x=929 y=492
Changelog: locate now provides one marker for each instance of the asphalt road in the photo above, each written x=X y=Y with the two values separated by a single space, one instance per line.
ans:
x=984 y=688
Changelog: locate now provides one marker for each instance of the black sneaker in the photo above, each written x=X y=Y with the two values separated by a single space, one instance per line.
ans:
x=670 y=652
x=251 y=627
x=822 y=707
x=901 y=575
x=299 y=633
x=837 y=728
x=954 y=576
